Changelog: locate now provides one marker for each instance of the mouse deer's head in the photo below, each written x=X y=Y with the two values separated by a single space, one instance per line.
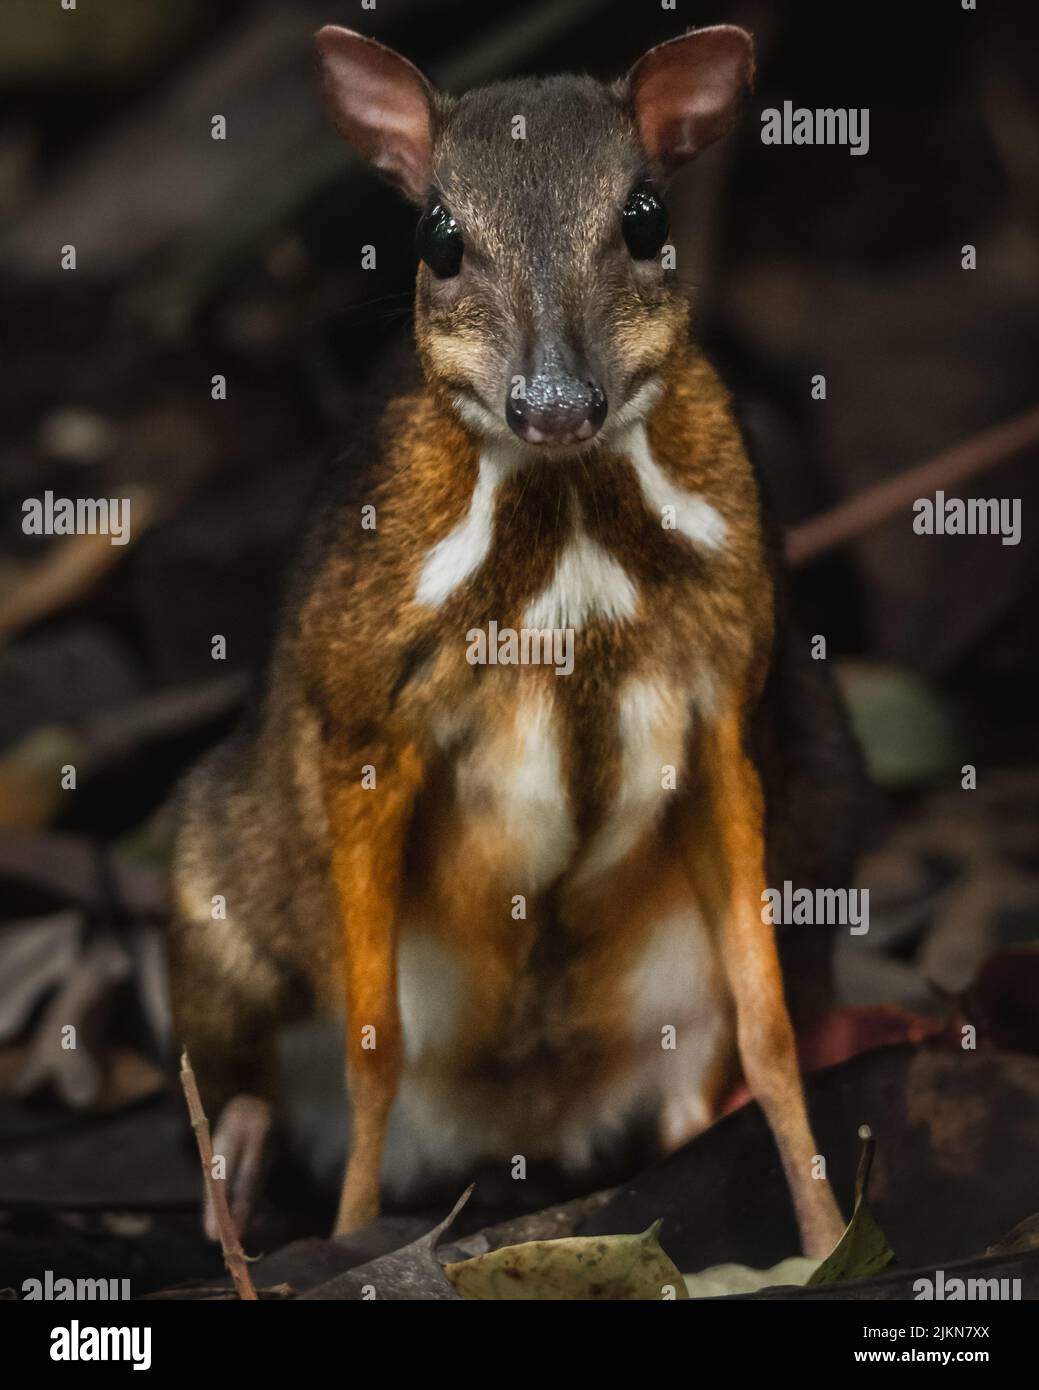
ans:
x=544 y=308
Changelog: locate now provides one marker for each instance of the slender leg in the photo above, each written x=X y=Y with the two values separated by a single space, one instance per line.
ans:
x=367 y=830
x=731 y=850
x=228 y=1018
x=241 y=1137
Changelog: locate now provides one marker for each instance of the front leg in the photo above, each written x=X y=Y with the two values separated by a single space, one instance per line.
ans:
x=729 y=858
x=367 y=828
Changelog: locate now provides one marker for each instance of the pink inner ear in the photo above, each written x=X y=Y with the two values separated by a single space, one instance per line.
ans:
x=381 y=106
x=688 y=92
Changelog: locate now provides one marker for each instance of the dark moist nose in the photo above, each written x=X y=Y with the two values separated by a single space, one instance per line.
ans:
x=557 y=409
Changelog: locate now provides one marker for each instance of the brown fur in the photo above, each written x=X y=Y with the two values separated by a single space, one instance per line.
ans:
x=319 y=872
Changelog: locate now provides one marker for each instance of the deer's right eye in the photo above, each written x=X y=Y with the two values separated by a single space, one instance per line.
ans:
x=644 y=223
x=439 y=242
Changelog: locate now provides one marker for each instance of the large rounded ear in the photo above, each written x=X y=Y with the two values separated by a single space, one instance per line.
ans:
x=381 y=105
x=688 y=92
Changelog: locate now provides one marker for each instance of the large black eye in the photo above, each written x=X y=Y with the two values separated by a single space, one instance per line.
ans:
x=439 y=243
x=644 y=223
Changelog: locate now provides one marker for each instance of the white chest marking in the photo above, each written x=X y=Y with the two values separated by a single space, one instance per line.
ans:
x=671 y=982
x=587 y=580
x=676 y=984
x=652 y=726
x=515 y=780
x=694 y=517
x=431 y=988
x=462 y=551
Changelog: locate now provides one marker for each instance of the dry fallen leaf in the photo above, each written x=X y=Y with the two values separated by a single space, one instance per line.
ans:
x=1024 y=1236
x=577 y=1267
x=721 y=1280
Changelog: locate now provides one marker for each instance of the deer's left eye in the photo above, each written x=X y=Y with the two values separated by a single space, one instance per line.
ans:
x=644 y=223
x=439 y=243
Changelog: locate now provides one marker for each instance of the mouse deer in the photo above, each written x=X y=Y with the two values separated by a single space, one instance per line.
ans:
x=536 y=730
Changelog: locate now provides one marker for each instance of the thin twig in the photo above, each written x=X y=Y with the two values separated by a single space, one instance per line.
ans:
x=874 y=505
x=70 y=569
x=869 y=1145
x=234 y=1255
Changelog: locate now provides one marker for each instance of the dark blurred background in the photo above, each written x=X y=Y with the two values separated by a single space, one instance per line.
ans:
x=242 y=257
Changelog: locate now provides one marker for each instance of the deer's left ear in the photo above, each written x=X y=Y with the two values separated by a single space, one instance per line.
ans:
x=688 y=92
x=381 y=105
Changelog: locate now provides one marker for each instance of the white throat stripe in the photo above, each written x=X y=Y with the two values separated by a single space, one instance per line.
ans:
x=462 y=551
x=694 y=517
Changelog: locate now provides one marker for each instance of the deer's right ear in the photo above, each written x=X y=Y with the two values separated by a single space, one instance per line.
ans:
x=381 y=105
x=689 y=91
